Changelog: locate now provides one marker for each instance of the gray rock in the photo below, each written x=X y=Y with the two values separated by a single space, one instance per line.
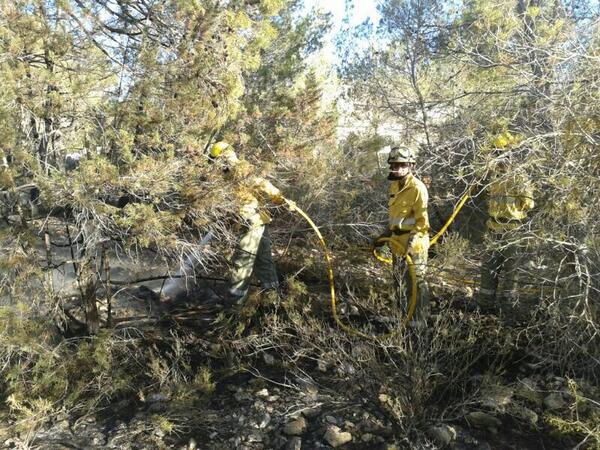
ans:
x=497 y=398
x=554 y=401
x=525 y=414
x=528 y=389
x=367 y=437
x=241 y=396
x=264 y=421
x=332 y=420
x=480 y=419
x=313 y=411
x=157 y=407
x=156 y=397
x=254 y=437
x=294 y=444
x=336 y=437
x=296 y=427
x=263 y=393
x=442 y=434
x=311 y=393
x=268 y=359
x=63 y=425
x=323 y=366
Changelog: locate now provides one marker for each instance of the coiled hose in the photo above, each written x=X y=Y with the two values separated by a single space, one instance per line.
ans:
x=409 y=263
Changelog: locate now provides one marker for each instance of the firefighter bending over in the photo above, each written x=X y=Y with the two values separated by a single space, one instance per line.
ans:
x=253 y=253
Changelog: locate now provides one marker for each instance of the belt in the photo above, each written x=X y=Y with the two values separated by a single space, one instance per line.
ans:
x=503 y=221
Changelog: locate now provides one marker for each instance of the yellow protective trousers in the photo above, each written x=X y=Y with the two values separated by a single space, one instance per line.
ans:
x=253 y=257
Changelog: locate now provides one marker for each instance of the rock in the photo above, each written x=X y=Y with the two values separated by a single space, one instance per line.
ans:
x=311 y=393
x=269 y=359
x=335 y=437
x=264 y=421
x=527 y=389
x=322 y=365
x=296 y=427
x=525 y=414
x=192 y=444
x=332 y=420
x=313 y=411
x=497 y=398
x=554 y=401
x=294 y=444
x=254 y=437
x=367 y=437
x=156 y=407
x=62 y=425
x=442 y=434
x=241 y=396
x=263 y=393
x=480 y=419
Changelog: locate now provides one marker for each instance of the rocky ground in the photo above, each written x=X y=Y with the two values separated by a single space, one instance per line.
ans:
x=263 y=406
x=252 y=413
x=259 y=402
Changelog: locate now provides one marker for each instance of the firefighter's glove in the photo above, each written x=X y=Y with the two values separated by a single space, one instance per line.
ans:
x=277 y=199
x=379 y=242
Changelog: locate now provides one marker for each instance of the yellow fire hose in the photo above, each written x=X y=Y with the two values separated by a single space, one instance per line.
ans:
x=294 y=208
x=432 y=241
x=410 y=266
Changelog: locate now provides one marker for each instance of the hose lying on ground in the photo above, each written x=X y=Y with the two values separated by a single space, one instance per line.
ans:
x=294 y=208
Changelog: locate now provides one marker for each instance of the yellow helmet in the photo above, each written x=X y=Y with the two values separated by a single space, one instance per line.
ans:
x=217 y=149
x=401 y=155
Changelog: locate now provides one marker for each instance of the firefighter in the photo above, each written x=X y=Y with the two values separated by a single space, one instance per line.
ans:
x=408 y=226
x=509 y=198
x=253 y=253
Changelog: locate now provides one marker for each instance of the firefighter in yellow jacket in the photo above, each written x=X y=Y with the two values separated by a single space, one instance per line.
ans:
x=253 y=254
x=509 y=198
x=408 y=225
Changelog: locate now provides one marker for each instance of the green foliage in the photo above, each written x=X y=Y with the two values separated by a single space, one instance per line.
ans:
x=584 y=418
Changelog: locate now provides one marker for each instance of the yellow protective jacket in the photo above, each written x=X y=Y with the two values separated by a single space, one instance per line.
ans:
x=510 y=196
x=408 y=220
x=250 y=209
x=249 y=190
